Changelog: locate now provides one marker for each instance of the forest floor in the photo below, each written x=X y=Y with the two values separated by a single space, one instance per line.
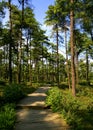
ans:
x=32 y=113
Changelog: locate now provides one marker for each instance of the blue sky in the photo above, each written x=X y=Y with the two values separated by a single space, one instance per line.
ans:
x=40 y=7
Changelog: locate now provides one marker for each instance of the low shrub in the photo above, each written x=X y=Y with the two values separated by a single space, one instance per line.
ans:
x=7 y=117
x=84 y=82
x=54 y=99
x=85 y=91
x=29 y=89
x=36 y=85
x=63 y=85
x=2 y=82
x=76 y=110
x=13 y=93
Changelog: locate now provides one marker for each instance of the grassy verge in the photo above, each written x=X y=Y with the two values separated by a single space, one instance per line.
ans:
x=77 y=111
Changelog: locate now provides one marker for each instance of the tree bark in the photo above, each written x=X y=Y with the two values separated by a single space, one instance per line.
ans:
x=42 y=64
x=10 y=44
x=87 y=67
x=30 y=66
x=72 y=49
x=67 y=64
x=19 y=59
x=57 y=55
x=76 y=60
x=20 y=46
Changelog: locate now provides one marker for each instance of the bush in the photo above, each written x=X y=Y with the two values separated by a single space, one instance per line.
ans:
x=83 y=82
x=63 y=85
x=76 y=110
x=13 y=93
x=2 y=82
x=7 y=117
x=54 y=99
x=85 y=91
x=61 y=100
x=29 y=89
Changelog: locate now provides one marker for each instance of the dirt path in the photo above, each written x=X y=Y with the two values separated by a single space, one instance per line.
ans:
x=32 y=114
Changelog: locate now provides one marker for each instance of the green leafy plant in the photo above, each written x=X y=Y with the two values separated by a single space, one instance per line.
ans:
x=54 y=99
x=13 y=93
x=7 y=117
x=76 y=110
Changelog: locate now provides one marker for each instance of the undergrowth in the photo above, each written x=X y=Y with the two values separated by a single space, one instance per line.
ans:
x=7 y=117
x=77 y=111
x=10 y=95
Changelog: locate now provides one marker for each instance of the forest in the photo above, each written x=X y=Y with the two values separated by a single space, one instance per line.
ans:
x=30 y=58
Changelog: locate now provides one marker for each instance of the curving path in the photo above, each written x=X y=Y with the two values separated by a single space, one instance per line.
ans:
x=33 y=115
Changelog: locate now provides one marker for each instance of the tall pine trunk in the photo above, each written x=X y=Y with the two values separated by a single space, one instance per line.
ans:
x=20 y=46
x=76 y=60
x=30 y=65
x=57 y=55
x=42 y=64
x=67 y=64
x=27 y=70
x=87 y=67
x=72 y=49
x=10 y=44
x=19 y=59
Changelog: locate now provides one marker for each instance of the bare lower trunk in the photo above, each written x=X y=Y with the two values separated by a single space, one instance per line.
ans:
x=87 y=67
x=57 y=55
x=10 y=45
x=77 y=77
x=19 y=59
x=30 y=66
x=67 y=64
x=72 y=50
x=20 y=46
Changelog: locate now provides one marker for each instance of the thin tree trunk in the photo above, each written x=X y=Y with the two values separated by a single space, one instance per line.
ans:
x=57 y=55
x=87 y=67
x=42 y=65
x=30 y=71
x=36 y=71
x=20 y=46
x=77 y=77
x=10 y=44
x=47 y=71
x=22 y=11
x=17 y=64
x=19 y=59
x=30 y=66
x=1 y=56
x=27 y=59
x=23 y=78
x=67 y=64
x=72 y=49
x=5 y=62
